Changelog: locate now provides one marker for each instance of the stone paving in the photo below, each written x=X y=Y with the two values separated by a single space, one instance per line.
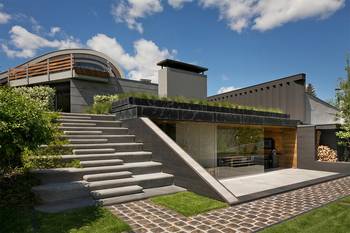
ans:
x=144 y=216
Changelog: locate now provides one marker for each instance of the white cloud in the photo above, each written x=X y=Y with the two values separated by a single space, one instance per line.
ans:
x=274 y=13
x=26 y=44
x=54 y=31
x=226 y=89
x=140 y=65
x=129 y=11
x=178 y=4
x=267 y=14
x=4 y=17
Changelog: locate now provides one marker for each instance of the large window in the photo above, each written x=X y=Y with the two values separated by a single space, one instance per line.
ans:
x=240 y=151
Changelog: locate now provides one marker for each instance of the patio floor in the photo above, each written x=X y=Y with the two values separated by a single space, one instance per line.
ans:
x=147 y=217
x=256 y=186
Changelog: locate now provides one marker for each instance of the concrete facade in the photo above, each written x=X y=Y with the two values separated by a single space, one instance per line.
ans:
x=286 y=94
x=82 y=91
x=175 y=82
x=319 y=112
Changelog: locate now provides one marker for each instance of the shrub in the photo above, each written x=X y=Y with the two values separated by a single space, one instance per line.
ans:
x=103 y=103
x=44 y=96
x=24 y=123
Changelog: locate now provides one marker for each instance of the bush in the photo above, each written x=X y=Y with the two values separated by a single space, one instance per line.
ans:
x=44 y=96
x=103 y=103
x=15 y=189
x=24 y=123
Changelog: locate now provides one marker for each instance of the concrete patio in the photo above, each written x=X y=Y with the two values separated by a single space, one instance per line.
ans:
x=256 y=186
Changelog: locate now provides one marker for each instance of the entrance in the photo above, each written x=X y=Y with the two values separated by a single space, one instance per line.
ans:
x=62 y=97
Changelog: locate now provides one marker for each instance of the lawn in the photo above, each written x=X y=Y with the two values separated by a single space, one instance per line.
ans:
x=332 y=218
x=187 y=203
x=84 y=220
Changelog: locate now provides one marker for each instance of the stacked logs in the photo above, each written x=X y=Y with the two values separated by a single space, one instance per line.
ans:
x=326 y=154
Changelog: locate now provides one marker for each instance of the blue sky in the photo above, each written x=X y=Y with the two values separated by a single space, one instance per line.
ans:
x=241 y=42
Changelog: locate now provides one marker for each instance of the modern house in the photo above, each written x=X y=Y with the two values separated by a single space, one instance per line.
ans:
x=77 y=75
x=204 y=147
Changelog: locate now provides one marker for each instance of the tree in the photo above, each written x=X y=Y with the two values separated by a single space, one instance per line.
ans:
x=310 y=89
x=24 y=123
x=343 y=98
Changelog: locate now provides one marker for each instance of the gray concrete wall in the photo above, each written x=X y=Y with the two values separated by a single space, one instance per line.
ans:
x=128 y=85
x=188 y=173
x=199 y=140
x=287 y=94
x=319 y=112
x=83 y=91
x=174 y=82
x=307 y=153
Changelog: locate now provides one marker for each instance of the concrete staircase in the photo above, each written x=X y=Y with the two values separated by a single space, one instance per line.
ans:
x=115 y=168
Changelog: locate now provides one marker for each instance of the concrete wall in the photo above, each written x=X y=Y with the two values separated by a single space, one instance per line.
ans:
x=307 y=153
x=319 y=112
x=128 y=85
x=199 y=140
x=83 y=91
x=174 y=82
x=188 y=173
x=287 y=94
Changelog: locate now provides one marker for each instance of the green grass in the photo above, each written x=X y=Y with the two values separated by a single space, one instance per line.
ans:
x=84 y=220
x=332 y=218
x=188 y=203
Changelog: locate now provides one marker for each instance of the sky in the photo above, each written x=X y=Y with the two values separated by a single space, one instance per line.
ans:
x=242 y=42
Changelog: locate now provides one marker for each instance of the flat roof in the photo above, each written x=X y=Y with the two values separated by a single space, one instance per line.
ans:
x=181 y=66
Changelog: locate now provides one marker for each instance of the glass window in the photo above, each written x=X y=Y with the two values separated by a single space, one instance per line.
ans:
x=240 y=151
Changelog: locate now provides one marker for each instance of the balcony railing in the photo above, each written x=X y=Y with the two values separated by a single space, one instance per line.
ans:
x=46 y=67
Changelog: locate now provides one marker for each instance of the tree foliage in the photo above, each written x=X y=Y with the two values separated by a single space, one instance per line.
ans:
x=24 y=123
x=343 y=97
x=310 y=89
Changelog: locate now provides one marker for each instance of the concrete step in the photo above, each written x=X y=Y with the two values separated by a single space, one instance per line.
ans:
x=91 y=116
x=74 y=139
x=116 y=192
x=147 y=193
x=75 y=117
x=99 y=163
x=123 y=146
x=54 y=192
x=89 y=121
x=58 y=175
x=109 y=138
x=78 y=124
x=88 y=141
x=57 y=207
x=105 y=130
x=133 y=156
x=145 y=180
x=107 y=176
x=90 y=132
x=93 y=151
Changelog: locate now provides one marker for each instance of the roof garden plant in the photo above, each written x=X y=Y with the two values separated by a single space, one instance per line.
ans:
x=103 y=103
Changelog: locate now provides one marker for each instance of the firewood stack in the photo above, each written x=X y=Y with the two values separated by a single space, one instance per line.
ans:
x=326 y=154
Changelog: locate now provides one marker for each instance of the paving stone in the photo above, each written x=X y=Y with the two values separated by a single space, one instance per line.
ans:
x=145 y=216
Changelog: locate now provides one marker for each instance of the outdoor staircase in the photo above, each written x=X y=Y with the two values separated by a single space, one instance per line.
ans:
x=114 y=167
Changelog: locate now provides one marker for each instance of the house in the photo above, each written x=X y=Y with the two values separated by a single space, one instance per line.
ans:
x=203 y=145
